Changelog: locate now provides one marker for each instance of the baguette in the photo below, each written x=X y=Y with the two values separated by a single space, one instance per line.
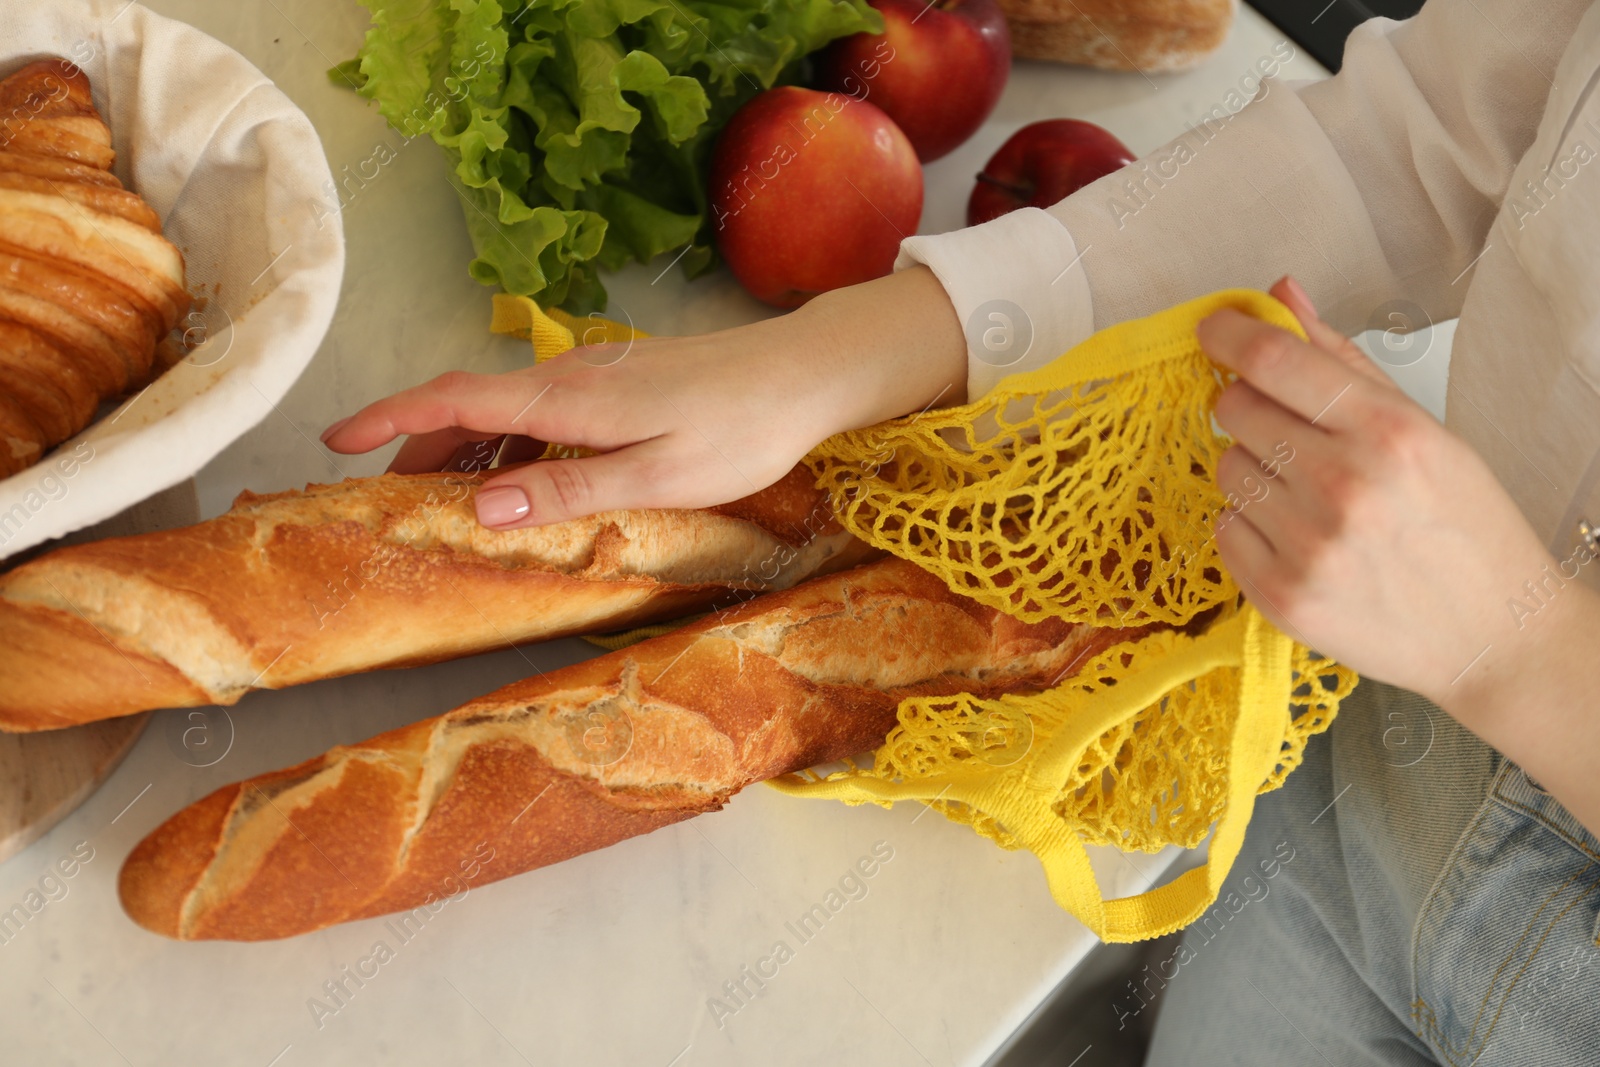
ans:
x=1141 y=35
x=583 y=757
x=377 y=572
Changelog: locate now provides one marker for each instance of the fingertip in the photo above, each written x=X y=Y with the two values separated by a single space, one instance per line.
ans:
x=1300 y=294
x=333 y=430
x=358 y=433
x=503 y=507
x=1206 y=331
x=1293 y=295
x=1210 y=322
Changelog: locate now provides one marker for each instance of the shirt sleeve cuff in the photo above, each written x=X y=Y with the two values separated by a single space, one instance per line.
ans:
x=1018 y=287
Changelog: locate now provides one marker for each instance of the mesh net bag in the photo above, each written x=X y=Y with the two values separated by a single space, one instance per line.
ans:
x=1084 y=490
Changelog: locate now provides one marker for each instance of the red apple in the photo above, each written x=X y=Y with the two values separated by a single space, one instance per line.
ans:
x=937 y=69
x=811 y=191
x=1042 y=163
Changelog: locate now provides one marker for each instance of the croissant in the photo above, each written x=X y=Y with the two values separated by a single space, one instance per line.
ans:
x=88 y=284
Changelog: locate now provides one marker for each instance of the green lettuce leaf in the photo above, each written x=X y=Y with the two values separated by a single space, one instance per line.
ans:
x=579 y=131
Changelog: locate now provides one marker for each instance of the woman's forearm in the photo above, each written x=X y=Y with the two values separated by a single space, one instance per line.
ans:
x=1532 y=695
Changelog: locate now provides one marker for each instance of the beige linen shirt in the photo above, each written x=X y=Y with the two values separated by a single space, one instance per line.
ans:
x=1449 y=169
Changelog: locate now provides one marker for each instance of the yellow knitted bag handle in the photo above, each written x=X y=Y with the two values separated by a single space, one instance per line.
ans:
x=1083 y=490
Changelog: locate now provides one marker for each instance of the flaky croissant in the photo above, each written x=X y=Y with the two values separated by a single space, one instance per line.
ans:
x=88 y=284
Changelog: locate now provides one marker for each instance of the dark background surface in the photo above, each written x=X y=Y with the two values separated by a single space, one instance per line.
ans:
x=1320 y=26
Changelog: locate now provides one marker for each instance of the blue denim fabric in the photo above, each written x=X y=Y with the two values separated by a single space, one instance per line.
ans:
x=1436 y=907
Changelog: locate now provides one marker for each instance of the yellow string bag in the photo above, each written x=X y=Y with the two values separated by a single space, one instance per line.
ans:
x=1084 y=490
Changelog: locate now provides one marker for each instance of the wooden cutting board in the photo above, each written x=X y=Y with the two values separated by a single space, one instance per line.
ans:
x=45 y=776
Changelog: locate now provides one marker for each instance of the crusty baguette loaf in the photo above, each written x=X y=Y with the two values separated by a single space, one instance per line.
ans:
x=375 y=572
x=583 y=757
x=1142 y=35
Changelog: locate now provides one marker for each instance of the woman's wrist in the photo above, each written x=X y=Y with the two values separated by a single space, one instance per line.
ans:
x=884 y=348
x=1525 y=680
x=1530 y=697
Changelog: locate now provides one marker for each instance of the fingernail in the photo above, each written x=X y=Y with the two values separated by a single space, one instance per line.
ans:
x=335 y=428
x=1299 y=293
x=502 y=505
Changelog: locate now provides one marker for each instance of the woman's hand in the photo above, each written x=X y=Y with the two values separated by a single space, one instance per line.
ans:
x=1376 y=536
x=681 y=421
x=1366 y=530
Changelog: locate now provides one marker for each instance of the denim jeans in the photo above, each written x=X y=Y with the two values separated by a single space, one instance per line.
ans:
x=1408 y=897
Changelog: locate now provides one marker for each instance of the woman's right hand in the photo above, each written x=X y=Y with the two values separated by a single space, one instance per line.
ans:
x=683 y=422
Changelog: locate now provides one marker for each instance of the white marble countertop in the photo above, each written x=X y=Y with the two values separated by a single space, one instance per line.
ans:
x=610 y=958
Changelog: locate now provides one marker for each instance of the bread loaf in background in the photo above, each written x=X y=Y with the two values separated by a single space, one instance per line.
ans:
x=1142 y=35
x=389 y=571
x=585 y=756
